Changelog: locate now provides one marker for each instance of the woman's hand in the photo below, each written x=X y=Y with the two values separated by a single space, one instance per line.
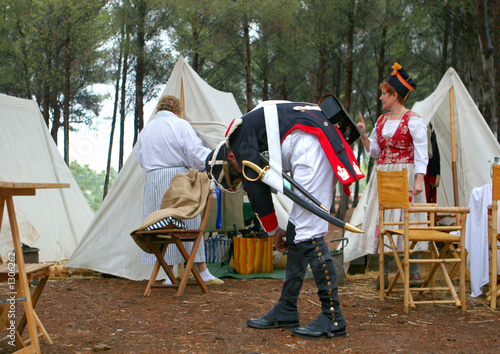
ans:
x=361 y=125
x=418 y=187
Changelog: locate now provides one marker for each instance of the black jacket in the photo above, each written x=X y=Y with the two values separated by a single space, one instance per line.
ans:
x=250 y=139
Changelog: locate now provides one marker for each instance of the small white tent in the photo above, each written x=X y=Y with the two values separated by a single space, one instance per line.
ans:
x=454 y=116
x=55 y=219
x=107 y=246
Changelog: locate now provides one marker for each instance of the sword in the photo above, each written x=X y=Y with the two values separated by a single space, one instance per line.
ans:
x=262 y=173
x=298 y=186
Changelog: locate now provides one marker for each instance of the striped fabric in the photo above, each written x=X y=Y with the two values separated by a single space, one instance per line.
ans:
x=155 y=186
x=165 y=222
x=253 y=255
x=218 y=248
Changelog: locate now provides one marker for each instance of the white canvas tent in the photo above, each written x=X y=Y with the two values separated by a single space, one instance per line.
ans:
x=455 y=117
x=107 y=246
x=53 y=220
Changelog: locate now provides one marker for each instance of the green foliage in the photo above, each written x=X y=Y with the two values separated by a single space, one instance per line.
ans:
x=91 y=182
x=296 y=48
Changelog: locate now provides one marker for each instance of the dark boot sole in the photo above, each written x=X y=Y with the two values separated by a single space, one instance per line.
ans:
x=285 y=326
x=325 y=335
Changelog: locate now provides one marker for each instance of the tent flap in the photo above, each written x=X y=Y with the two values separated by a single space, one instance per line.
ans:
x=53 y=220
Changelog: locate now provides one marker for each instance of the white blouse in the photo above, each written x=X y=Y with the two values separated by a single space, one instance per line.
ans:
x=169 y=141
x=418 y=132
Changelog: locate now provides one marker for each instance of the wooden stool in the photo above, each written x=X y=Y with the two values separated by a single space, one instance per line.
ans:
x=158 y=241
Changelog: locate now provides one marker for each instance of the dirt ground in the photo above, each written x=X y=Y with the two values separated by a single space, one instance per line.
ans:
x=111 y=314
x=101 y=313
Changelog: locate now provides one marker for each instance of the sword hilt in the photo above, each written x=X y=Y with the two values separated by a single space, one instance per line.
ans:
x=261 y=172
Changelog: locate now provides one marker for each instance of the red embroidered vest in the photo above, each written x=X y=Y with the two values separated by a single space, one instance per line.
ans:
x=399 y=148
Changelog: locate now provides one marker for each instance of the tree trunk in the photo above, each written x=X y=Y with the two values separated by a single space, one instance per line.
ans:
x=56 y=121
x=446 y=36
x=248 y=68
x=344 y=198
x=113 y=122
x=139 y=83
x=67 y=96
x=496 y=59
x=381 y=63
x=196 y=44
x=337 y=77
x=123 y=98
x=25 y=61
x=487 y=100
x=381 y=68
x=322 y=64
x=455 y=46
x=265 y=70
x=46 y=91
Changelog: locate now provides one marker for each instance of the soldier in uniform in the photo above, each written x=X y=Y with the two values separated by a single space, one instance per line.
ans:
x=314 y=150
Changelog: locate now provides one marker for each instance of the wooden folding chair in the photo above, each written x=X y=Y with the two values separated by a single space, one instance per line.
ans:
x=393 y=194
x=158 y=241
x=493 y=238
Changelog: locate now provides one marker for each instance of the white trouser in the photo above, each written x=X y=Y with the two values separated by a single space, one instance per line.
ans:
x=303 y=155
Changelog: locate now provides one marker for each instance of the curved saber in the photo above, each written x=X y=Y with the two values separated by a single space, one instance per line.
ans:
x=298 y=186
x=261 y=172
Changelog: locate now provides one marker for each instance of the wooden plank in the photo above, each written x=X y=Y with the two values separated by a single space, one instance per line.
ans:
x=25 y=185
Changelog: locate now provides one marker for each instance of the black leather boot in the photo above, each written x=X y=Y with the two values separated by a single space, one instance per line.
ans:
x=330 y=323
x=285 y=314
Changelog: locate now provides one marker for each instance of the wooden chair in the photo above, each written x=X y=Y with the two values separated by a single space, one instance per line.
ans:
x=393 y=194
x=493 y=238
x=158 y=241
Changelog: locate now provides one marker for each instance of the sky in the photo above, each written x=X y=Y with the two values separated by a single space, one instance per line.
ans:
x=89 y=146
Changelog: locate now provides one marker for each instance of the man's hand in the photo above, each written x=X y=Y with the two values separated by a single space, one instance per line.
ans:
x=279 y=240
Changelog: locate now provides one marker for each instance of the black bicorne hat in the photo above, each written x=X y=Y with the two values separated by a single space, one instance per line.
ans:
x=401 y=81
x=221 y=171
x=338 y=116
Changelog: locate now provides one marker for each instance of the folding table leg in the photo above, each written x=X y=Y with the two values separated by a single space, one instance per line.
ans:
x=34 y=300
x=41 y=329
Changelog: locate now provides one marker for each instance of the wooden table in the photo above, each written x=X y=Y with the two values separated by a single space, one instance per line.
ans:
x=18 y=278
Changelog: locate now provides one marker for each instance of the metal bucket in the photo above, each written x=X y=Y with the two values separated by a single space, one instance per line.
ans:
x=338 y=258
x=30 y=254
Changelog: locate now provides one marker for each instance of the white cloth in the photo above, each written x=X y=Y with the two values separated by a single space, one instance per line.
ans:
x=303 y=155
x=169 y=141
x=418 y=132
x=476 y=238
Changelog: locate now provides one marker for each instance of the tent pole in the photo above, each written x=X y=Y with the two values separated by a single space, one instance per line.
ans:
x=453 y=148
x=183 y=111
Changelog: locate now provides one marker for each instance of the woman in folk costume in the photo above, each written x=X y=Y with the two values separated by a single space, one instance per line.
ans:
x=399 y=141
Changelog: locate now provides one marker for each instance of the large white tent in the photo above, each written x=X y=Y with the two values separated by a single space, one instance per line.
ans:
x=53 y=220
x=107 y=246
x=455 y=117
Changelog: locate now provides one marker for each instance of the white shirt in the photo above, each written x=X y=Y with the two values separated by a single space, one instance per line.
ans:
x=418 y=132
x=169 y=141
